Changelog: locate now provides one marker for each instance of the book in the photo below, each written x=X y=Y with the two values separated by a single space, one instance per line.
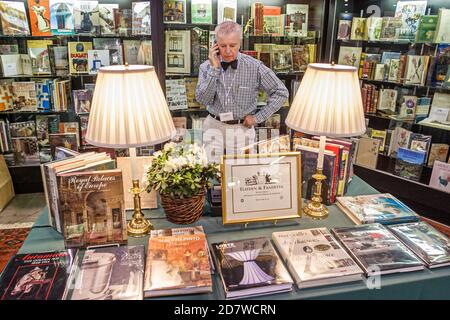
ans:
x=431 y=246
x=380 y=135
x=176 y=94
x=78 y=57
x=82 y=100
x=439 y=152
x=106 y=18
x=42 y=131
x=426 y=29
x=81 y=192
x=97 y=59
x=349 y=56
x=39 y=13
x=359 y=29
x=131 y=51
x=177 y=264
x=86 y=17
x=410 y=13
x=44 y=94
x=367 y=154
x=387 y=101
x=420 y=142
x=344 y=30
x=374 y=25
x=250 y=267
x=123 y=20
x=36 y=276
x=390 y=28
x=300 y=58
x=38 y=52
x=440 y=176
x=281 y=58
x=174 y=11
x=6 y=95
x=141 y=18
x=61 y=17
x=408 y=108
x=442 y=62
x=297 y=20
x=409 y=163
x=16 y=65
x=59 y=60
x=145 y=53
x=108 y=273
x=9 y=49
x=25 y=151
x=13 y=18
x=66 y=140
x=416 y=68
x=442 y=34
x=178 y=51
x=22 y=129
x=400 y=139
x=393 y=70
x=226 y=10
x=376 y=250
x=201 y=11
x=191 y=85
x=315 y=258
x=24 y=96
x=381 y=208
x=114 y=46
x=148 y=199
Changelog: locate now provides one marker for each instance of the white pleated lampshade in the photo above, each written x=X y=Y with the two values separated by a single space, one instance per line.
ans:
x=328 y=102
x=128 y=109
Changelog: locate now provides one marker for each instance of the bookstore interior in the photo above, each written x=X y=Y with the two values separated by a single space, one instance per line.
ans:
x=105 y=108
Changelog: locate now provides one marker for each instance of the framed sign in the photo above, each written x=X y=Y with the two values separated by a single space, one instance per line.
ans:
x=261 y=187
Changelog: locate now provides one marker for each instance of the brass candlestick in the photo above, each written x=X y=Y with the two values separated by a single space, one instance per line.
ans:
x=138 y=226
x=315 y=208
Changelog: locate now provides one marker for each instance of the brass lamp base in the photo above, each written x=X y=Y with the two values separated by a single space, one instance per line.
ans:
x=315 y=208
x=138 y=226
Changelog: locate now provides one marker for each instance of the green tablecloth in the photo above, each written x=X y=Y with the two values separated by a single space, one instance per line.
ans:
x=424 y=284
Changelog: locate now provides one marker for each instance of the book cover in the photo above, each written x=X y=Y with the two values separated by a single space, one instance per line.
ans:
x=410 y=13
x=442 y=34
x=281 y=58
x=382 y=208
x=176 y=94
x=349 y=56
x=141 y=18
x=106 y=18
x=6 y=95
x=393 y=70
x=420 y=142
x=9 y=49
x=97 y=59
x=416 y=68
x=374 y=25
x=43 y=94
x=36 y=276
x=39 y=13
x=61 y=17
x=86 y=17
x=177 y=264
x=440 y=176
x=274 y=25
x=201 y=11
x=114 y=46
x=380 y=135
x=59 y=60
x=42 y=131
x=178 y=52
x=367 y=154
x=315 y=258
x=84 y=120
x=296 y=20
x=131 y=50
x=13 y=18
x=439 y=152
x=390 y=28
x=408 y=107
x=300 y=58
x=426 y=29
x=92 y=207
x=425 y=241
x=22 y=129
x=145 y=55
x=123 y=19
x=16 y=64
x=82 y=99
x=109 y=273
x=24 y=95
x=38 y=52
x=78 y=57
x=250 y=267
x=409 y=163
x=180 y=124
x=387 y=100
x=25 y=151
x=377 y=250
x=441 y=64
x=226 y=10
x=344 y=30
x=191 y=85
x=174 y=11
x=66 y=140
x=359 y=29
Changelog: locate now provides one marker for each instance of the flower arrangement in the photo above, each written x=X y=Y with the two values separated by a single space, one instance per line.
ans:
x=180 y=171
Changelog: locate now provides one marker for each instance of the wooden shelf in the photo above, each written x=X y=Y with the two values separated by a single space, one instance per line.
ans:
x=406 y=85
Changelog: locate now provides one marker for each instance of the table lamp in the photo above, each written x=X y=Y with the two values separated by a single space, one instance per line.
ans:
x=129 y=110
x=328 y=103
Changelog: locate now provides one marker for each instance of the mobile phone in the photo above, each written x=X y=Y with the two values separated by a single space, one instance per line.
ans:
x=218 y=52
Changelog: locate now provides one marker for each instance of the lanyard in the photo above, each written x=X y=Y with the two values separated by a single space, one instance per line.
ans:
x=227 y=93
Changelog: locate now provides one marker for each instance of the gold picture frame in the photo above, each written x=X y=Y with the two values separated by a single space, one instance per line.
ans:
x=254 y=187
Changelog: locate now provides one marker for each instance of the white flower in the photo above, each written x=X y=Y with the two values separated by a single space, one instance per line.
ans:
x=170 y=166
x=157 y=154
x=169 y=146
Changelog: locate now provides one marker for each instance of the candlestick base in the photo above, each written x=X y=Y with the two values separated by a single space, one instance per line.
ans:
x=315 y=208
x=138 y=226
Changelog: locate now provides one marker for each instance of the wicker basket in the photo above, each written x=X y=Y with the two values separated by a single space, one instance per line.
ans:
x=183 y=211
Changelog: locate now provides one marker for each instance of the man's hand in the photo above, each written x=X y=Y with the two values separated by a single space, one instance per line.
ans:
x=249 y=121
x=214 y=56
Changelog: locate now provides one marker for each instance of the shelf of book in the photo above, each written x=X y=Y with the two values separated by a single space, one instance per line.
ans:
x=381 y=82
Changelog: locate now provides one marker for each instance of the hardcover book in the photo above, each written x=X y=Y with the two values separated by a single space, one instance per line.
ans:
x=130 y=51
x=174 y=11
x=440 y=176
x=141 y=18
x=178 y=51
x=442 y=34
x=379 y=135
x=374 y=25
x=226 y=10
x=97 y=59
x=367 y=154
x=425 y=241
x=427 y=29
x=59 y=60
x=78 y=57
x=349 y=56
x=145 y=55
x=43 y=94
x=38 y=52
x=16 y=64
x=176 y=94
x=6 y=95
x=36 y=276
x=274 y=25
x=400 y=139
x=281 y=58
x=410 y=13
x=61 y=17
x=201 y=11
x=9 y=49
x=13 y=18
x=123 y=19
x=344 y=30
x=39 y=12
x=114 y=46
x=409 y=163
x=315 y=258
x=24 y=96
x=191 y=85
x=387 y=100
x=86 y=17
x=359 y=29
x=439 y=152
x=300 y=58
x=376 y=250
x=82 y=100
x=416 y=69
x=390 y=28
x=22 y=129
x=297 y=20
x=109 y=273
x=106 y=18
x=381 y=208
x=420 y=142
x=25 y=151
x=92 y=207
x=250 y=267
x=66 y=140
x=408 y=108
x=177 y=265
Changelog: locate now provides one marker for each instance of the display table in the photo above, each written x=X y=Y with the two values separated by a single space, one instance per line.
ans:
x=424 y=284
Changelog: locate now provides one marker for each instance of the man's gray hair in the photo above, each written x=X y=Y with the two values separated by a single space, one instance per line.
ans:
x=228 y=27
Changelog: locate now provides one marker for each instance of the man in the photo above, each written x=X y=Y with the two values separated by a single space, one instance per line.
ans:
x=229 y=82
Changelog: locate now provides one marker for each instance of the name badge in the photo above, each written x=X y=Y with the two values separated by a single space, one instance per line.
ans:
x=226 y=116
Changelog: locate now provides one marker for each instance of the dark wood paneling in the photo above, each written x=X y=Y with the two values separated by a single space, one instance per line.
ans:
x=26 y=179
